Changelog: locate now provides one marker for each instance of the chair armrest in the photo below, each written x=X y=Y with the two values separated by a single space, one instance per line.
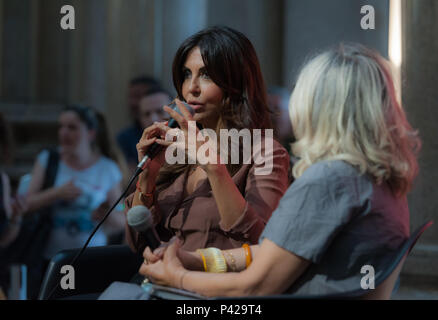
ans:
x=94 y=271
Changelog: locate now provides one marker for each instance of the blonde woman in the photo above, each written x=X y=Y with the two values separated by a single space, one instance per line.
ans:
x=347 y=207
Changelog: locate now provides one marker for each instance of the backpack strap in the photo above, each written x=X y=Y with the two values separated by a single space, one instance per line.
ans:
x=52 y=169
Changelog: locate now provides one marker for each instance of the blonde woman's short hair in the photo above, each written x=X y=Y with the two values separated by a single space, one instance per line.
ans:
x=344 y=107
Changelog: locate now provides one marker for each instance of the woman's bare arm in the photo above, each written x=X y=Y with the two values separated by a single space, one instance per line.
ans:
x=37 y=198
x=273 y=270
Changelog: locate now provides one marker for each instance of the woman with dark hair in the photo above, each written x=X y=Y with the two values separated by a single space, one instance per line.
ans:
x=217 y=73
x=87 y=179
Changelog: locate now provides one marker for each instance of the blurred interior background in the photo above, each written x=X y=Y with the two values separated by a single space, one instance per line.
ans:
x=43 y=68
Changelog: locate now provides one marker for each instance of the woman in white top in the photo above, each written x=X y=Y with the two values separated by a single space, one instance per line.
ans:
x=87 y=182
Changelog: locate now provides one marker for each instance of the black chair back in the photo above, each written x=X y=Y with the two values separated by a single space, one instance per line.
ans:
x=95 y=270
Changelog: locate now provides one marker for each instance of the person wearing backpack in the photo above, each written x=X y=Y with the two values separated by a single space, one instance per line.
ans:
x=87 y=181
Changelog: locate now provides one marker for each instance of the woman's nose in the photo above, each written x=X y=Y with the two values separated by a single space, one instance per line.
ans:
x=194 y=87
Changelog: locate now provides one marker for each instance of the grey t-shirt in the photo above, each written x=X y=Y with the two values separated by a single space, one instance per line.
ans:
x=340 y=221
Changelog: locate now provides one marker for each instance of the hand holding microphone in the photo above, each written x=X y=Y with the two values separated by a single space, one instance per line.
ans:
x=152 y=154
x=148 y=148
x=147 y=141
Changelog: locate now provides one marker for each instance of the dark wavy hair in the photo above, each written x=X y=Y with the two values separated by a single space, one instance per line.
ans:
x=232 y=64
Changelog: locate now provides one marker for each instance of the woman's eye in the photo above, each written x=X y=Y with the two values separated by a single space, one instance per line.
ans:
x=205 y=75
x=186 y=74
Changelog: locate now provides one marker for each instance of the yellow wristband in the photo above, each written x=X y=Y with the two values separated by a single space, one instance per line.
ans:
x=213 y=259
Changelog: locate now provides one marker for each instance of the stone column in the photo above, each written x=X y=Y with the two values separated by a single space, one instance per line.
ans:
x=53 y=47
x=179 y=20
x=16 y=50
x=420 y=97
x=262 y=22
x=113 y=42
x=88 y=54
x=129 y=37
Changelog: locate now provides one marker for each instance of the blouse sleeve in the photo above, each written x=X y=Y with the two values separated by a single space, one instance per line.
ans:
x=262 y=193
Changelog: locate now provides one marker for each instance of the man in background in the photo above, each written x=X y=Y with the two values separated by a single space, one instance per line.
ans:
x=151 y=106
x=129 y=137
x=278 y=100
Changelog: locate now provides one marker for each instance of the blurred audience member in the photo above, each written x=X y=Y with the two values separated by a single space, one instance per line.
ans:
x=151 y=106
x=278 y=101
x=87 y=182
x=115 y=235
x=128 y=138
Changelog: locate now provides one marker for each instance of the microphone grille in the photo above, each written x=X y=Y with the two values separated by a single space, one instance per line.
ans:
x=139 y=218
x=174 y=106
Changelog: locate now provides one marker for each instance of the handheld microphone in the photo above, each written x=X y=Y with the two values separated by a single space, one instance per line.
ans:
x=155 y=147
x=140 y=219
